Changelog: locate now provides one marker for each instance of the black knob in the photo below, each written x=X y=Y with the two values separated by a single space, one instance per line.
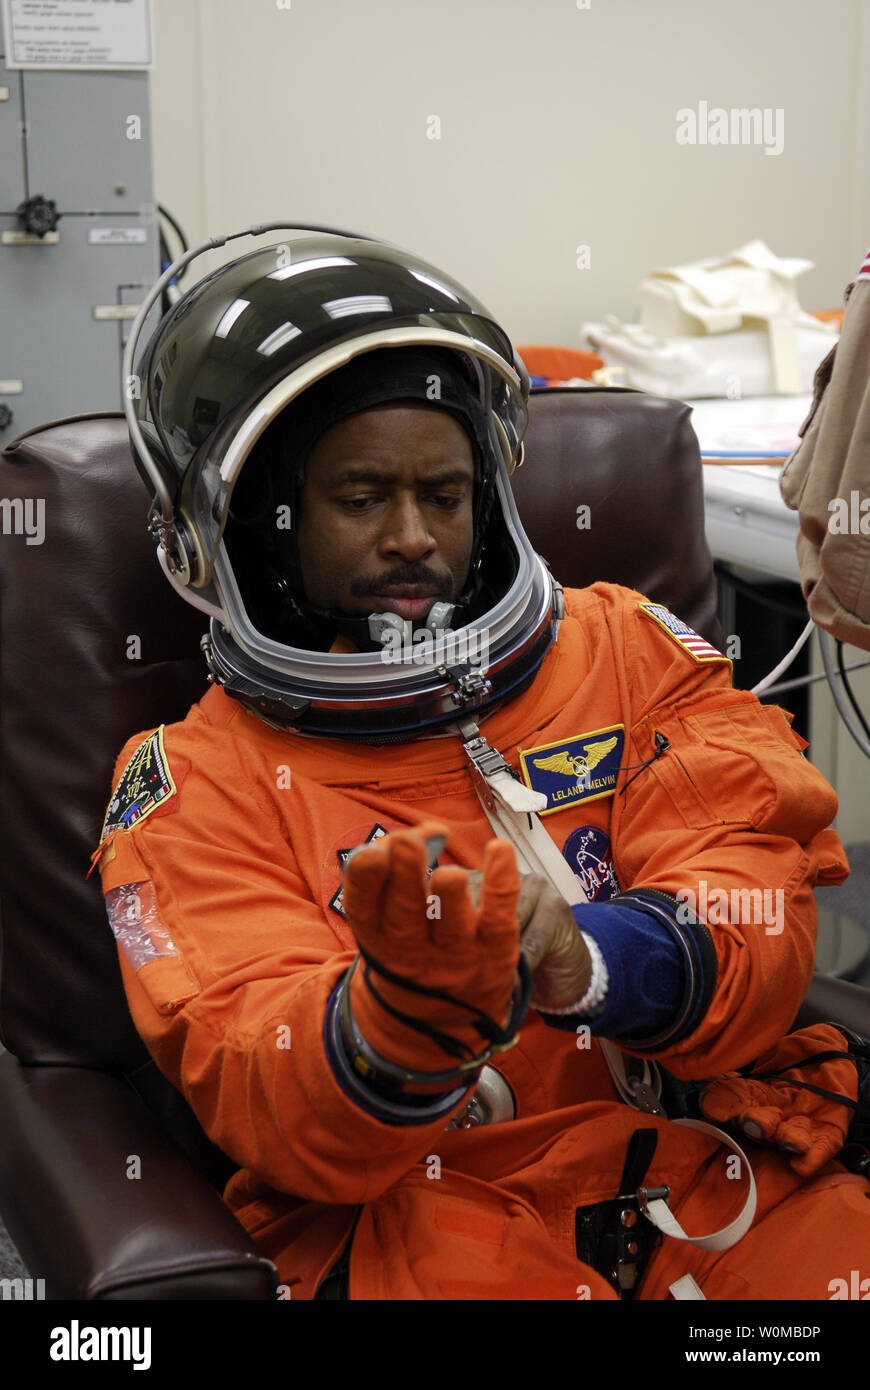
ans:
x=38 y=214
x=5 y=417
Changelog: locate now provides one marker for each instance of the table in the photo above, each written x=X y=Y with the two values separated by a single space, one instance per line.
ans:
x=744 y=444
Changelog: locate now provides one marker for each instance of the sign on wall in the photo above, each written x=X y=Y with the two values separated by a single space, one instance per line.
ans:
x=110 y=35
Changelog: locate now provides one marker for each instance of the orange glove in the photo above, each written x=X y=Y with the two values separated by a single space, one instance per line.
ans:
x=429 y=933
x=811 y=1127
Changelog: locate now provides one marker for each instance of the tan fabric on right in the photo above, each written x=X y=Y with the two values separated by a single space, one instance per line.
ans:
x=833 y=461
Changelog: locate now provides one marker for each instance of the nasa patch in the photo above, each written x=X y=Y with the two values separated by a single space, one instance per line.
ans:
x=574 y=769
x=587 y=850
x=145 y=784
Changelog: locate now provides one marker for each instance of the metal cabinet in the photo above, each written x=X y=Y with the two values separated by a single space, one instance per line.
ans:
x=83 y=141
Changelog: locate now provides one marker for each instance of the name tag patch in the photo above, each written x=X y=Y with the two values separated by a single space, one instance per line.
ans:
x=145 y=784
x=574 y=769
x=686 y=637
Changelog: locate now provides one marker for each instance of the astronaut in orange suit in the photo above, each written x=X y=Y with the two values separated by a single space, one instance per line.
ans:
x=403 y=1036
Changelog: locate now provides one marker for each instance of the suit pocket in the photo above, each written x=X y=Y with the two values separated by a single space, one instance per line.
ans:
x=739 y=765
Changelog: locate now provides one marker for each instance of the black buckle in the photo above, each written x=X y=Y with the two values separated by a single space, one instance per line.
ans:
x=614 y=1239
x=611 y=1236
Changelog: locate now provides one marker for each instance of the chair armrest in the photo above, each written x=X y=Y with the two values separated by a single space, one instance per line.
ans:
x=67 y=1137
x=830 y=1000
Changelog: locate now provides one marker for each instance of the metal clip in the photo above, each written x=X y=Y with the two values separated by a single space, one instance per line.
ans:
x=645 y=1195
x=645 y=1098
x=469 y=686
x=491 y=1103
x=485 y=760
x=215 y=675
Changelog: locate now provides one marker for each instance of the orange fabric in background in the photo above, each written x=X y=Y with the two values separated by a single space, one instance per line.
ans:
x=826 y=316
x=559 y=363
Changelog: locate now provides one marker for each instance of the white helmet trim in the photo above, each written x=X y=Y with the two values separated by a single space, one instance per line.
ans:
x=290 y=386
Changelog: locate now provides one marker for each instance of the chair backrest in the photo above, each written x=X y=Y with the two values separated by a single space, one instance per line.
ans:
x=94 y=646
x=633 y=460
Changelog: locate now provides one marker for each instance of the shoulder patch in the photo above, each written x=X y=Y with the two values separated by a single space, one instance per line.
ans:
x=686 y=637
x=145 y=784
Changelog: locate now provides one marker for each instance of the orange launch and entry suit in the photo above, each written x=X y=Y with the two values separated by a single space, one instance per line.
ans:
x=238 y=941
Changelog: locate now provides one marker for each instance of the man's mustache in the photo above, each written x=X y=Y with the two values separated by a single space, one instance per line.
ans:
x=440 y=584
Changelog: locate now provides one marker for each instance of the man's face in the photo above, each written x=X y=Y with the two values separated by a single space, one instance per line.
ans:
x=386 y=512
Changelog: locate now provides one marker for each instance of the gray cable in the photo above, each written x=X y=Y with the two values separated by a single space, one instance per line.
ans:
x=810 y=680
x=842 y=708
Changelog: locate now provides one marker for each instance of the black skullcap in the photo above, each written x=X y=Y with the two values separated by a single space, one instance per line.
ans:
x=431 y=376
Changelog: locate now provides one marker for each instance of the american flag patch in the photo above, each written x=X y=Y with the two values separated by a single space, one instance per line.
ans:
x=696 y=645
x=864 y=272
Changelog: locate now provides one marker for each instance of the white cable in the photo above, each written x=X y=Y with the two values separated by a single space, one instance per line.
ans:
x=786 y=661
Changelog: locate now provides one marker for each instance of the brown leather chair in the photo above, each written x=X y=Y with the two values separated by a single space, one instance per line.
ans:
x=634 y=461
x=79 y=1095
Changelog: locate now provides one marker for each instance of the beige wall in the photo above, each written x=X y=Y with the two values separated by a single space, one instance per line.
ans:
x=557 y=129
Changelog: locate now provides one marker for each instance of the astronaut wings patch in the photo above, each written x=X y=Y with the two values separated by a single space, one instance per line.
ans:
x=145 y=784
x=686 y=637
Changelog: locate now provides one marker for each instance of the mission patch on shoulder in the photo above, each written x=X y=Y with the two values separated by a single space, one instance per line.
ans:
x=145 y=784
x=686 y=637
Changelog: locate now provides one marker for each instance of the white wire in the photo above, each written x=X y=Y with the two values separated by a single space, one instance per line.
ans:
x=786 y=660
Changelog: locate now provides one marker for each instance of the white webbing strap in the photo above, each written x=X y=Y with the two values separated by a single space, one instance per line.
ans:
x=660 y=1214
x=513 y=815
x=511 y=808
x=686 y=1288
